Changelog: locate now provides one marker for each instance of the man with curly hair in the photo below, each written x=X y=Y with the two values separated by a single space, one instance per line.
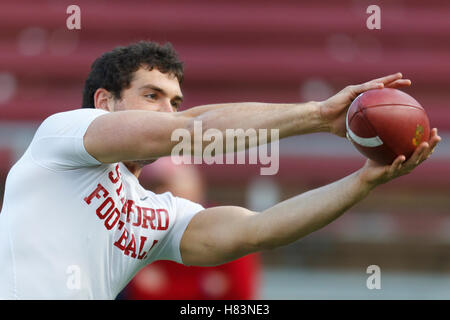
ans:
x=76 y=223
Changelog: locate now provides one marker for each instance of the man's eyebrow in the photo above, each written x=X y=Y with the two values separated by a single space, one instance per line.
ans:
x=158 y=89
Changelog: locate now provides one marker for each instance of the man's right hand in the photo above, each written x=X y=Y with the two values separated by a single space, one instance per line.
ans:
x=334 y=109
x=373 y=174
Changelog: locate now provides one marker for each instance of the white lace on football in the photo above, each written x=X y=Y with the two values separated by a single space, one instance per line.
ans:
x=365 y=142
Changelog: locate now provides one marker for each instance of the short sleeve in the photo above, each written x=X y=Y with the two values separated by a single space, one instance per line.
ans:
x=185 y=211
x=58 y=142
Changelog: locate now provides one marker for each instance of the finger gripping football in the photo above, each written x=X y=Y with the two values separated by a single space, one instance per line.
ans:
x=385 y=123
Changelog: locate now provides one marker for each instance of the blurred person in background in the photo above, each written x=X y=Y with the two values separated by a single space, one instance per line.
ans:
x=164 y=280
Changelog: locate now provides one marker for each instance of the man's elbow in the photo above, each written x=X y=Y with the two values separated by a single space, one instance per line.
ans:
x=173 y=137
x=262 y=236
x=256 y=237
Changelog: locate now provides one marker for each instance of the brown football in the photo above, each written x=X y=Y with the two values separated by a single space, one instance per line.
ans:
x=385 y=123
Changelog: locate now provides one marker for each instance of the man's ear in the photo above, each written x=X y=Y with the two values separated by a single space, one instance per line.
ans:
x=103 y=99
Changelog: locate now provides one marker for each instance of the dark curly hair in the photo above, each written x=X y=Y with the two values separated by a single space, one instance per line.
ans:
x=114 y=70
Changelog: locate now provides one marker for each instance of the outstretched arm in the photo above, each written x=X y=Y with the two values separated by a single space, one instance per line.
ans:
x=143 y=135
x=221 y=234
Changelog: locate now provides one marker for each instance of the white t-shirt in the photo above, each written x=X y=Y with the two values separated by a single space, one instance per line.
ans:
x=74 y=228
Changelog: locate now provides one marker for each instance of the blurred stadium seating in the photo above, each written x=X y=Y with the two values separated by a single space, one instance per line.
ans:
x=271 y=51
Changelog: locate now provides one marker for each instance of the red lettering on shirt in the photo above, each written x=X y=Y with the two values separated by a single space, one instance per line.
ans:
x=137 y=223
x=131 y=247
x=161 y=225
x=96 y=193
x=148 y=218
x=142 y=243
x=110 y=212
x=143 y=255
x=111 y=175
x=122 y=240
x=118 y=190
x=154 y=242
x=99 y=210
x=116 y=215
x=128 y=208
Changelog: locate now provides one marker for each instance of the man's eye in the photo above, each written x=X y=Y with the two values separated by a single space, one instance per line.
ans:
x=151 y=95
x=176 y=105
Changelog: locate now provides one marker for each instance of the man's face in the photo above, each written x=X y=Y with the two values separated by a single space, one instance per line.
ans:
x=151 y=90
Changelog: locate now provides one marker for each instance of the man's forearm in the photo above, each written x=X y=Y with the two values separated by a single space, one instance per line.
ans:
x=289 y=119
x=296 y=217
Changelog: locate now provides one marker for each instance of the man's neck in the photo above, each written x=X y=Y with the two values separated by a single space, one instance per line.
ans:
x=134 y=167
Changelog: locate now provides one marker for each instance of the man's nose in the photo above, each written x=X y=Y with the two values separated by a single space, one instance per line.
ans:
x=166 y=107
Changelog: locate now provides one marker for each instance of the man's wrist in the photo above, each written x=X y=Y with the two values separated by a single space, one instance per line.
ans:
x=315 y=119
x=365 y=185
x=325 y=124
